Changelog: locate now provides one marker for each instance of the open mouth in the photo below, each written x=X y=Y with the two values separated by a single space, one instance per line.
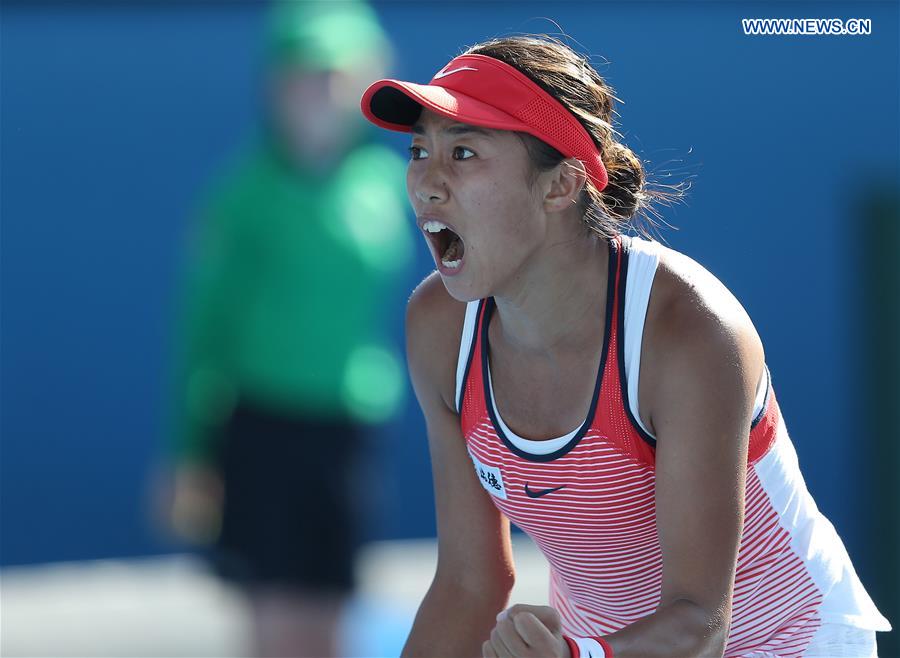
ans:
x=449 y=247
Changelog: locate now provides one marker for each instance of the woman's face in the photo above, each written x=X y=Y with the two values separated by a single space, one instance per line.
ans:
x=474 y=180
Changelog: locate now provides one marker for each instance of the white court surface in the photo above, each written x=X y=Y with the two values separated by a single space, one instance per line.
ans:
x=171 y=606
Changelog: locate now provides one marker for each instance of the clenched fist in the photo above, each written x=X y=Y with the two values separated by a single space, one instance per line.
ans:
x=527 y=631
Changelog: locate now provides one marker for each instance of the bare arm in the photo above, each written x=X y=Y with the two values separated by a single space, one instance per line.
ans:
x=475 y=570
x=701 y=413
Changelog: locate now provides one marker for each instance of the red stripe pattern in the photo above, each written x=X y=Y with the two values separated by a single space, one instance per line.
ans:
x=598 y=532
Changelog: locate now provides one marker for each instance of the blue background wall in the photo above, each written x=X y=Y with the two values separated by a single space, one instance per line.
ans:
x=114 y=119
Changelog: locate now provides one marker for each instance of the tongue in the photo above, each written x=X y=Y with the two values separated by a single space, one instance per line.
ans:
x=454 y=250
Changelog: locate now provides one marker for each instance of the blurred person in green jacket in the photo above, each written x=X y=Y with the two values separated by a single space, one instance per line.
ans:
x=281 y=364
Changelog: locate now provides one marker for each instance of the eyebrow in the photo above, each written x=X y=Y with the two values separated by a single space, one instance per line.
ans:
x=455 y=129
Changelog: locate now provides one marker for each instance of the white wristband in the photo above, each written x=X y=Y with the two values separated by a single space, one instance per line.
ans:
x=588 y=648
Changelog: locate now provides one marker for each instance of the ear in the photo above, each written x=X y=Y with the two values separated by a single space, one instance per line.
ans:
x=564 y=185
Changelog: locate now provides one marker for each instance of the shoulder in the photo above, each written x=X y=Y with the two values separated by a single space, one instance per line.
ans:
x=239 y=184
x=695 y=303
x=697 y=331
x=434 y=324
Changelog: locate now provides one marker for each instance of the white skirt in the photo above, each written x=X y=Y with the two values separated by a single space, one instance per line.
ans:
x=833 y=640
x=839 y=640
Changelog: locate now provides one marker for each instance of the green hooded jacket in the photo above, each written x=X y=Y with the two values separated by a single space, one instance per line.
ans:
x=288 y=269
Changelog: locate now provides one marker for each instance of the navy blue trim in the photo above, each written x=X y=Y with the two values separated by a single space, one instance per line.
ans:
x=620 y=356
x=765 y=405
x=462 y=389
x=485 y=323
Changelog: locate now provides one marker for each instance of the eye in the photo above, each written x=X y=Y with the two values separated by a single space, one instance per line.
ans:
x=462 y=148
x=418 y=153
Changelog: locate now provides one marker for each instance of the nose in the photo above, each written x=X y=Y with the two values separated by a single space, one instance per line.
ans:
x=431 y=186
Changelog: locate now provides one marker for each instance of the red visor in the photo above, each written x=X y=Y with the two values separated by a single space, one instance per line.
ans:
x=483 y=91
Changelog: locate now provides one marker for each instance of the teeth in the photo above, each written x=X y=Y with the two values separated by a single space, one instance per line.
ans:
x=452 y=264
x=433 y=226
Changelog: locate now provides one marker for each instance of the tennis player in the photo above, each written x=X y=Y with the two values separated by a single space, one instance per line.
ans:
x=611 y=394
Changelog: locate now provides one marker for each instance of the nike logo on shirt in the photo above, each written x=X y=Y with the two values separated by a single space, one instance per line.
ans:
x=543 y=492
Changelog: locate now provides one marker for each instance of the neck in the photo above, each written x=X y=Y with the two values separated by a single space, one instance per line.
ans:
x=554 y=305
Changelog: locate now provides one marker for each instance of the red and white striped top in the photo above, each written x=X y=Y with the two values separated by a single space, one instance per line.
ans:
x=587 y=498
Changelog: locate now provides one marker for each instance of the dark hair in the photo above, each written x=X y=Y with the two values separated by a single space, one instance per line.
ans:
x=570 y=78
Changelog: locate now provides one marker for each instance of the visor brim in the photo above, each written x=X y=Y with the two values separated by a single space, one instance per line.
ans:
x=397 y=105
